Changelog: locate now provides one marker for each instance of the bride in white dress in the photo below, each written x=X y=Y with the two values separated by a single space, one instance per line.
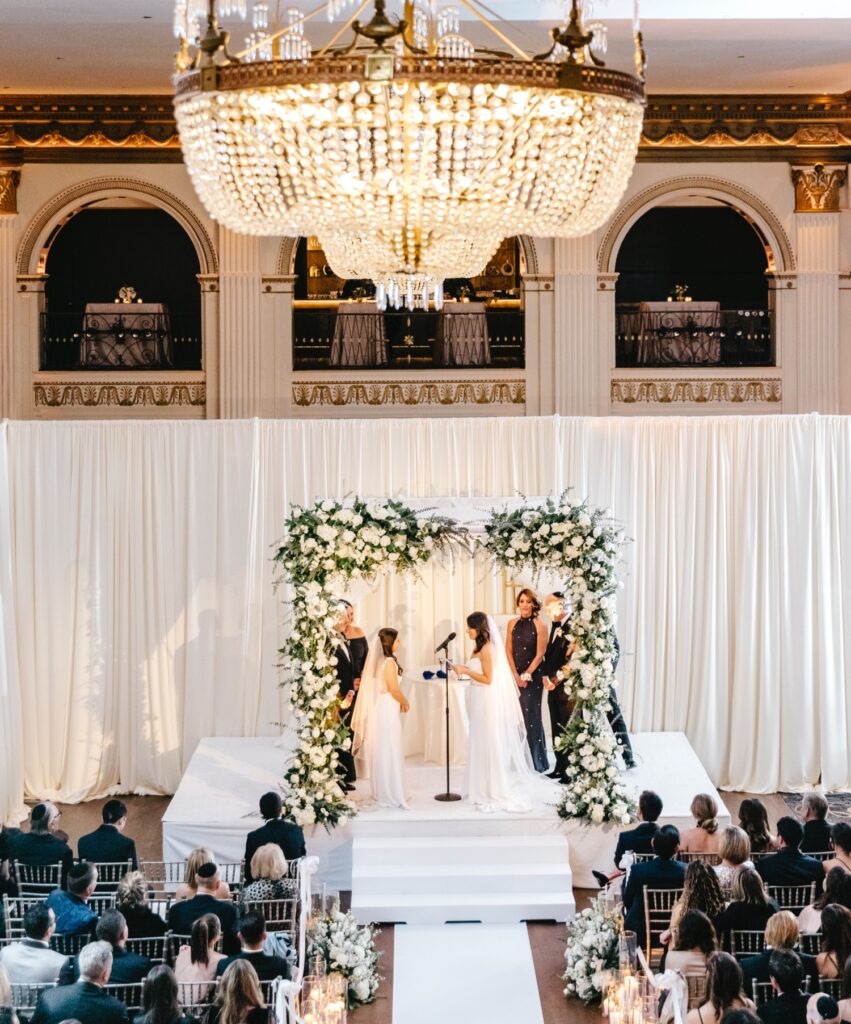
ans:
x=377 y=722
x=500 y=776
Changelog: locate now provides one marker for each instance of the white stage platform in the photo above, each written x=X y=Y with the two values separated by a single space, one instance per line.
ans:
x=216 y=805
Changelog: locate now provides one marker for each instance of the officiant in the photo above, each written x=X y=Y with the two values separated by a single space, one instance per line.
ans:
x=352 y=649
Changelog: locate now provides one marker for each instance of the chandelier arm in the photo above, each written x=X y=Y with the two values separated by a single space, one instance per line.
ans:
x=345 y=28
x=281 y=32
x=508 y=42
x=491 y=13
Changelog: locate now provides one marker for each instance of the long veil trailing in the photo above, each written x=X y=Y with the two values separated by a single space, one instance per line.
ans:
x=363 y=718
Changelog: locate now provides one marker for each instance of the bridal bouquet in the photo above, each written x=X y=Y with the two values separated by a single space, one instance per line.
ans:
x=592 y=950
x=347 y=948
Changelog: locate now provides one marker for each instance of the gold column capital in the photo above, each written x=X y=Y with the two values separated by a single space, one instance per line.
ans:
x=10 y=178
x=817 y=187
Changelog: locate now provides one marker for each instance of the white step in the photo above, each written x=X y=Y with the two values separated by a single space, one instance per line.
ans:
x=461 y=849
x=497 y=908
x=438 y=879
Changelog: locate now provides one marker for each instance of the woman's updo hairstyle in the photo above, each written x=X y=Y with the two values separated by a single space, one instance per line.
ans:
x=705 y=810
x=479 y=622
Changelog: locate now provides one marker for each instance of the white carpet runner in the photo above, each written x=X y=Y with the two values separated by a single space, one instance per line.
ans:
x=464 y=973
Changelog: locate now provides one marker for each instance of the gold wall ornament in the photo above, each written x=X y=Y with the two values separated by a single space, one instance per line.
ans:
x=93 y=394
x=817 y=188
x=408 y=392
x=698 y=390
x=10 y=178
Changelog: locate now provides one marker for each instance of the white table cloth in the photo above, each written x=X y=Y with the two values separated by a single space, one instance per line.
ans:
x=679 y=333
x=359 y=338
x=425 y=722
x=125 y=334
x=465 y=334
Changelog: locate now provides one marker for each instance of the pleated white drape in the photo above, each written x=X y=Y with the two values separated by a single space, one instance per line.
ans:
x=138 y=612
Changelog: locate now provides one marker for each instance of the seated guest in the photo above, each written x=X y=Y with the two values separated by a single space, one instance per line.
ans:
x=740 y=1017
x=74 y=916
x=285 y=834
x=753 y=819
x=252 y=934
x=41 y=846
x=127 y=968
x=841 y=835
x=789 y=866
x=7 y=1011
x=7 y=885
x=636 y=840
x=107 y=844
x=84 y=1001
x=198 y=961
x=663 y=872
x=695 y=940
x=189 y=886
x=823 y=1009
x=781 y=933
x=724 y=991
x=31 y=961
x=817 y=830
x=789 y=1006
x=836 y=941
x=184 y=914
x=704 y=837
x=159 y=999
x=701 y=891
x=271 y=881
x=735 y=852
x=750 y=909
x=837 y=889
x=239 y=999
x=132 y=900
x=845 y=1001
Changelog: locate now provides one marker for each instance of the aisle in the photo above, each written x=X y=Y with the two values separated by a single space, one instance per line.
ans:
x=458 y=973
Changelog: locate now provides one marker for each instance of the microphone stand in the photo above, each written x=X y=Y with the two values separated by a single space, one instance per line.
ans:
x=448 y=796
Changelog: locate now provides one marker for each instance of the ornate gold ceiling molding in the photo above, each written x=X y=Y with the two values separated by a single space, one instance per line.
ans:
x=408 y=392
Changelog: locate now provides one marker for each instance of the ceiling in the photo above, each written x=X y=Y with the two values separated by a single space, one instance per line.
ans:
x=693 y=46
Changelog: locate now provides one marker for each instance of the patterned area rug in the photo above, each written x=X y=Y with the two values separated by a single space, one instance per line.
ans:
x=839 y=804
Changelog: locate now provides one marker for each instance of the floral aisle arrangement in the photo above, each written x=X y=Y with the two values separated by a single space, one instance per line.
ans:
x=347 y=948
x=582 y=545
x=323 y=548
x=592 y=950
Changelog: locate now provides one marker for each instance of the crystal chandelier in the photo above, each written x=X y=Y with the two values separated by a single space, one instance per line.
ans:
x=409 y=152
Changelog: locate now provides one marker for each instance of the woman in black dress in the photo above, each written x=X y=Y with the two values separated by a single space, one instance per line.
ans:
x=358 y=645
x=526 y=646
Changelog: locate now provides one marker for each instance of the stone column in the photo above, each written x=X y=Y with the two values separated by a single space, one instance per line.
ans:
x=276 y=310
x=580 y=366
x=845 y=343
x=210 y=348
x=27 y=355
x=9 y=180
x=606 y=337
x=539 y=330
x=240 y=335
x=783 y=306
x=817 y=203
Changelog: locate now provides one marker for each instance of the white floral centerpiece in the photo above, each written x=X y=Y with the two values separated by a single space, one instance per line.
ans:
x=583 y=545
x=592 y=950
x=323 y=547
x=347 y=948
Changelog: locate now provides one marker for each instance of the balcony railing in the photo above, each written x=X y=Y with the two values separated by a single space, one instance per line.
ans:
x=726 y=337
x=121 y=341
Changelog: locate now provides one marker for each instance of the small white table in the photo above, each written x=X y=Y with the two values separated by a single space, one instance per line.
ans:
x=425 y=722
x=680 y=333
x=359 y=338
x=465 y=334
x=126 y=334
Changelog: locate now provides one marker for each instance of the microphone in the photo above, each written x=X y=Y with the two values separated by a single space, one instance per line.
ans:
x=446 y=643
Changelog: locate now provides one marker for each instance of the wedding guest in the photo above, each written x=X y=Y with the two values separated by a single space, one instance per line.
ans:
x=837 y=889
x=358 y=644
x=817 y=830
x=526 y=644
x=188 y=888
x=740 y=1017
x=639 y=839
x=127 y=968
x=239 y=999
x=845 y=1001
x=31 y=961
x=704 y=837
x=695 y=940
x=781 y=933
x=836 y=941
x=183 y=915
x=132 y=900
x=7 y=1012
x=271 y=881
x=789 y=1006
x=750 y=908
x=724 y=992
x=285 y=834
x=663 y=872
x=614 y=713
x=822 y=1009
x=735 y=851
x=789 y=866
x=556 y=656
x=753 y=818
x=701 y=891
x=85 y=1001
x=252 y=935
x=41 y=846
x=841 y=836
x=7 y=884
x=346 y=668
x=198 y=961
x=107 y=844
x=74 y=916
x=160 y=1004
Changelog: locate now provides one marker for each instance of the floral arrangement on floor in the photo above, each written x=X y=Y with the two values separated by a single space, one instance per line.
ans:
x=592 y=951
x=323 y=547
x=582 y=545
x=348 y=948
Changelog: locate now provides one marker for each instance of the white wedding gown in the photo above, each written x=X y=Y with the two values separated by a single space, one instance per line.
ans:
x=378 y=742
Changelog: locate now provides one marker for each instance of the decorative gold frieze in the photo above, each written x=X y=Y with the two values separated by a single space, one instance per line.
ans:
x=122 y=393
x=667 y=391
x=817 y=188
x=409 y=392
x=10 y=178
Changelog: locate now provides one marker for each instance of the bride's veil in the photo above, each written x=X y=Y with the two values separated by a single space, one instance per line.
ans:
x=368 y=692
x=508 y=724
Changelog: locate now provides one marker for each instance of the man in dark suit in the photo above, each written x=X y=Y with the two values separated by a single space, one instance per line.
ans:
x=789 y=1006
x=346 y=680
x=663 y=872
x=781 y=932
x=84 y=1001
x=252 y=934
x=74 y=916
x=40 y=846
x=615 y=715
x=285 y=834
x=789 y=866
x=639 y=839
x=185 y=913
x=817 y=831
x=127 y=968
x=556 y=656
x=107 y=844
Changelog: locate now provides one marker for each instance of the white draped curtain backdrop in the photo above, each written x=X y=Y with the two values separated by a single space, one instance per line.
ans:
x=137 y=609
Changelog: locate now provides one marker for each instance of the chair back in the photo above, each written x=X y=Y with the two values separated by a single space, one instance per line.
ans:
x=233 y=873
x=696 y=990
x=110 y=874
x=25 y=997
x=173 y=942
x=69 y=945
x=658 y=904
x=642 y=858
x=195 y=996
x=746 y=942
x=270 y=992
x=14 y=908
x=37 y=880
x=280 y=915
x=831 y=987
x=101 y=901
x=763 y=991
x=153 y=947
x=822 y=855
x=708 y=858
x=810 y=942
x=129 y=993
x=162 y=876
x=792 y=897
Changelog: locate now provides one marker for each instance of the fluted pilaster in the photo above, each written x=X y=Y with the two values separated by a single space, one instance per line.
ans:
x=818 y=312
x=240 y=333
x=581 y=387
x=8 y=353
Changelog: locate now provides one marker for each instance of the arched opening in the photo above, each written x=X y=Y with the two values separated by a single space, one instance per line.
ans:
x=336 y=322
x=122 y=290
x=692 y=287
